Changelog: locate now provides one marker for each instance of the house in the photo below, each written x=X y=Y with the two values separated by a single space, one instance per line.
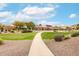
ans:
x=43 y=27
x=8 y=28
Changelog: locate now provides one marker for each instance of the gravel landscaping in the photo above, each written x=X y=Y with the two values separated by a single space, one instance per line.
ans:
x=15 y=48
x=68 y=47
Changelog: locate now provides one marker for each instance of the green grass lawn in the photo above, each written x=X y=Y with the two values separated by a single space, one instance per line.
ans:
x=50 y=35
x=18 y=36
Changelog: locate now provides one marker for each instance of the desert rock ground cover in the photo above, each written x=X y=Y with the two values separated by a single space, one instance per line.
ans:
x=68 y=47
x=15 y=48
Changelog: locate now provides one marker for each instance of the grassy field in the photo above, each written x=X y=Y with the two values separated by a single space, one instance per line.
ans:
x=50 y=35
x=18 y=36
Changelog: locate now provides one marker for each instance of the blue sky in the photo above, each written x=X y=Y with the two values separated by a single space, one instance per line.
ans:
x=40 y=13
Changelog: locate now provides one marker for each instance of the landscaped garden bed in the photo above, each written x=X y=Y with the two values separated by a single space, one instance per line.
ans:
x=64 y=47
x=68 y=47
x=60 y=35
x=51 y=35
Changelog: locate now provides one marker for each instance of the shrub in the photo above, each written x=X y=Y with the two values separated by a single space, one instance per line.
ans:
x=26 y=31
x=67 y=37
x=75 y=34
x=59 y=37
x=1 y=42
x=12 y=31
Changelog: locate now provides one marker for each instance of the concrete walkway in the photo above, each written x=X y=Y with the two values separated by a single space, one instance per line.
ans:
x=38 y=48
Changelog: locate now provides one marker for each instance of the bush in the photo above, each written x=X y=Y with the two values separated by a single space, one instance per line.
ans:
x=12 y=31
x=67 y=37
x=1 y=42
x=75 y=34
x=26 y=31
x=59 y=37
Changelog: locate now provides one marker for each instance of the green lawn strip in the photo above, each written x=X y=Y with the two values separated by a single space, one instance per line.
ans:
x=50 y=35
x=18 y=36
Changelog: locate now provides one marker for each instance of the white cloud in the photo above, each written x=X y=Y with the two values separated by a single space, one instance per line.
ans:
x=35 y=13
x=7 y=17
x=22 y=17
x=5 y=14
x=2 y=5
x=44 y=22
x=52 y=5
x=37 y=10
x=72 y=15
x=29 y=14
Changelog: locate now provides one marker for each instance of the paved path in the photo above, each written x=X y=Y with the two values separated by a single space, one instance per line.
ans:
x=38 y=48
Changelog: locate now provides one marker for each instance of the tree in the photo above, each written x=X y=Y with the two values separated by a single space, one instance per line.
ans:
x=77 y=26
x=68 y=28
x=30 y=25
x=19 y=25
x=22 y=25
x=1 y=27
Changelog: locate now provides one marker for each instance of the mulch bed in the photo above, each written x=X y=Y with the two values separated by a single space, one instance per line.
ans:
x=68 y=47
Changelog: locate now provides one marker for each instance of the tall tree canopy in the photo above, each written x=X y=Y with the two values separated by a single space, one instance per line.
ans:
x=19 y=25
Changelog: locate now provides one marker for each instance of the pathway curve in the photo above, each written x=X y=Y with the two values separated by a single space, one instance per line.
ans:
x=38 y=47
